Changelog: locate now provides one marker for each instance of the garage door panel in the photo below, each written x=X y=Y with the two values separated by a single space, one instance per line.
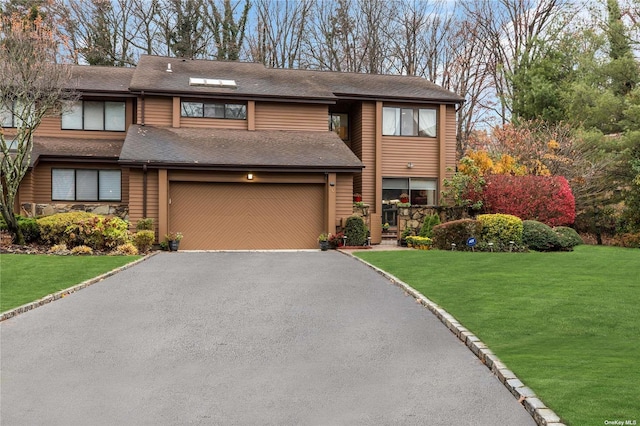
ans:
x=246 y=216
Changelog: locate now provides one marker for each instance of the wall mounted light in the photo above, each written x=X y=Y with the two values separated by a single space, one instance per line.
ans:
x=409 y=165
x=250 y=176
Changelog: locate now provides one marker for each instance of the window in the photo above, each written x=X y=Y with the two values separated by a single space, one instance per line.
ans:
x=6 y=115
x=94 y=115
x=85 y=185
x=422 y=191
x=339 y=123
x=398 y=121
x=214 y=110
x=10 y=114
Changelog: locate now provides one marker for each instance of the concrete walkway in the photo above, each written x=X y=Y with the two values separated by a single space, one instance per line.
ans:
x=275 y=338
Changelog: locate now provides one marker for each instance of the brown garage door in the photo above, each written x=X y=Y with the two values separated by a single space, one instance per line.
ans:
x=234 y=216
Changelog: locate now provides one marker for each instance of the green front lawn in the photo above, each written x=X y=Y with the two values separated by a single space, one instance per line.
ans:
x=25 y=278
x=566 y=323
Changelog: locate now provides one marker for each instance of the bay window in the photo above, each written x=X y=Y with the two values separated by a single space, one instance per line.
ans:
x=407 y=121
x=85 y=185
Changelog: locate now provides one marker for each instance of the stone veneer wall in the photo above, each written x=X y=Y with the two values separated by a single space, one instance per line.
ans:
x=39 y=210
x=413 y=217
x=363 y=212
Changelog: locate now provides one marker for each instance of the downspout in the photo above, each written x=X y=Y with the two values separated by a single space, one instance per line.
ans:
x=144 y=191
x=142 y=107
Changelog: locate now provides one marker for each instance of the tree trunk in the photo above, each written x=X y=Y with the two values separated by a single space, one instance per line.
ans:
x=12 y=226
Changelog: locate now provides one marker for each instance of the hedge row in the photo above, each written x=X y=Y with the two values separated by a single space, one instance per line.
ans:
x=501 y=232
x=82 y=229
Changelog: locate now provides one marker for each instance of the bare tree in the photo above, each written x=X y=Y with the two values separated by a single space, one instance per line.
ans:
x=510 y=31
x=184 y=26
x=31 y=87
x=465 y=73
x=145 y=32
x=280 y=32
x=227 y=30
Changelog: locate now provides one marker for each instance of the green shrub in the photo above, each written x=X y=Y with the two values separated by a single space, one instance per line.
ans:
x=28 y=226
x=52 y=228
x=115 y=231
x=144 y=224
x=455 y=232
x=143 y=240
x=356 y=231
x=81 y=228
x=501 y=229
x=568 y=238
x=428 y=224
x=540 y=237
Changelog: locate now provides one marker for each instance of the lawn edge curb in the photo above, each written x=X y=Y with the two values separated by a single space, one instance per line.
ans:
x=542 y=415
x=63 y=293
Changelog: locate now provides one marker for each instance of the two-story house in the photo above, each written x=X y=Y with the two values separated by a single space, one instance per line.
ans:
x=238 y=156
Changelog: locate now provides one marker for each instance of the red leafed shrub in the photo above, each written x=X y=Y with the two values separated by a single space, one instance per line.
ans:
x=547 y=199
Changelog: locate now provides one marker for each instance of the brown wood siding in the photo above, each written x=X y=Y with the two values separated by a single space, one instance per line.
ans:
x=344 y=195
x=451 y=141
x=158 y=111
x=25 y=190
x=136 y=196
x=368 y=155
x=42 y=181
x=283 y=116
x=356 y=143
x=212 y=123
x=398 y=151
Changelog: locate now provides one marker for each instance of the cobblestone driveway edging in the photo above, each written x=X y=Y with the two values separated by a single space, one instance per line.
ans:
x=63 y=293
x=542 y=415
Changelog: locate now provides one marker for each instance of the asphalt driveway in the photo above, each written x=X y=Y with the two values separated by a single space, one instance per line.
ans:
x=278 y=338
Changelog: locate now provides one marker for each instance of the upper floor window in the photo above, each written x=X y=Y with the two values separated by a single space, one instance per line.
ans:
x=397 y=121
x=339 y=123
x=85 y=185
x=6 y=115
x=94 y=115
x=10 y=114
x=213 y=110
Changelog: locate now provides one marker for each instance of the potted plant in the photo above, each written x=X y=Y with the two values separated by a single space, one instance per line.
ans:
x=323 y=239
x=173 y=240
x=403 y=237
x=357 y=197
x=385 y=227
x=404 y=197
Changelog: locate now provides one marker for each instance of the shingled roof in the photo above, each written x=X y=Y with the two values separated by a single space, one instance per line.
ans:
x=87 y=149
x=229 y=149
x=152 y=75
x=98 y=79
